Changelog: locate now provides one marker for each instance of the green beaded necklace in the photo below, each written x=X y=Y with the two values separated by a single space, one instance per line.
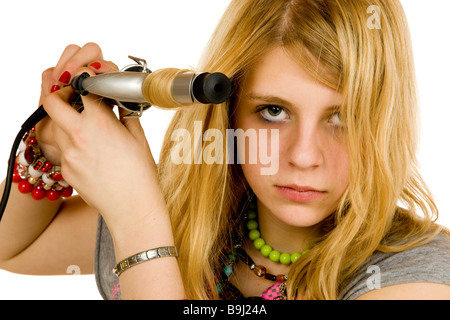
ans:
x=260 y=244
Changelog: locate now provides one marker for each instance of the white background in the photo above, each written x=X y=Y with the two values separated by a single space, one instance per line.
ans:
x=173 y=33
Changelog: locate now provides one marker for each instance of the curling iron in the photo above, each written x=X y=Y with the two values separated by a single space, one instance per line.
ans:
x=135 y=88
x=132 y=87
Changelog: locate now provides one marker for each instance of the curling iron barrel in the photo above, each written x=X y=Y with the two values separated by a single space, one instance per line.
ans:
x=164 y=88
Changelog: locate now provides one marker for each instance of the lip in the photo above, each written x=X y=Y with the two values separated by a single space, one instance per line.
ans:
x=298 y=193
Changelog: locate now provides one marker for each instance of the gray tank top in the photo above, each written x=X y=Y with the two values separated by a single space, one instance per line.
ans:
x=427 y=263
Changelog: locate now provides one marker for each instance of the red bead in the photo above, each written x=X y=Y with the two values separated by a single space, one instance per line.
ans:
x=32 y=140
x=53 y=195
x=16 y=176
x=38 y=193
x=29 y=154
x=25 y=136
x=24 y=186
x=47 y=166
x=67 y=192
x=56 y=176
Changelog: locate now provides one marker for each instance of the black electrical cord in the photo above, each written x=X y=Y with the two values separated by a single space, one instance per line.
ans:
x=37 y=116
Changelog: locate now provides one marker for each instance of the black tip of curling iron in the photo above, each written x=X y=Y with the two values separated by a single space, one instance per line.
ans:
x=77 y=83
x=212 y=88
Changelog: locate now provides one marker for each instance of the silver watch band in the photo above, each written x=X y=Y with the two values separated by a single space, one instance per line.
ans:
x=145 y=256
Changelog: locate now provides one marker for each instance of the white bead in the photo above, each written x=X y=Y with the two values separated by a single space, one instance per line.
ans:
x=63 y=183
x=22 y=159
x=47 y=186
x=47 y=179
x=34 y=173
x=22 y=146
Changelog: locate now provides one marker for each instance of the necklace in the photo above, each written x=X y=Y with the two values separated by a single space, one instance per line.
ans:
x=259 y=270
x=260 y=244
x=277 y=291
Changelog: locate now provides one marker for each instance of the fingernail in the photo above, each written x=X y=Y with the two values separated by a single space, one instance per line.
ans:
x=54 y=88
x=65 y=77
x=95 y=65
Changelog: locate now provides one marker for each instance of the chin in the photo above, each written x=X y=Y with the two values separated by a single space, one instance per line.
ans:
x=300 y=216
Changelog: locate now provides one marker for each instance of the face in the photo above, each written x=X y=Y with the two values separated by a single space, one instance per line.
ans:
x=278 y=96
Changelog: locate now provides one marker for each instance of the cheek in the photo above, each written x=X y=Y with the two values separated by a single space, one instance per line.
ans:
x=257 y=148
x=258 y=152
x=339 y=167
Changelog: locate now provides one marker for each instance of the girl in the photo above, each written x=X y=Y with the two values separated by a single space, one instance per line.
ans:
x=344 y=215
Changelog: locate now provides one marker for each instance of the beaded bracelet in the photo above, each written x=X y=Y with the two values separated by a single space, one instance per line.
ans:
x=35 y=174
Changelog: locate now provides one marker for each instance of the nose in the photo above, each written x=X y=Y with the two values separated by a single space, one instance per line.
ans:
x=304 y=148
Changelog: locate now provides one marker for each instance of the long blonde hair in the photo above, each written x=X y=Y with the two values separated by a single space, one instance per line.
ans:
x=386 y=200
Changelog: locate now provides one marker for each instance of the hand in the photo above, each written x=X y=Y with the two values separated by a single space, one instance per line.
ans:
x=106 y=159
x=72 y=59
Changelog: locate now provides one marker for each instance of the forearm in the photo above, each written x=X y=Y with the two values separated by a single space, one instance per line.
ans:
x=154 y=279
x=23 y=221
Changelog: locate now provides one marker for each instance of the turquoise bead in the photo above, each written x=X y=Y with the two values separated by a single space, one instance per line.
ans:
x=252 y=224
x=254 y=234
x=274 y=256
x=258 y=243
x=265 y=250
x=285 y=258
x=228 y=270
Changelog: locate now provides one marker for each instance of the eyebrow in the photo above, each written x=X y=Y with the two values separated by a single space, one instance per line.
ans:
x=282 y=102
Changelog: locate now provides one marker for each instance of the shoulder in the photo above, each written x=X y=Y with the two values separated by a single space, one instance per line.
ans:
x=416 y=273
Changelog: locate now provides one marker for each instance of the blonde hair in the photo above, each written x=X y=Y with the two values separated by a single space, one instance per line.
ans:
x=386 y=201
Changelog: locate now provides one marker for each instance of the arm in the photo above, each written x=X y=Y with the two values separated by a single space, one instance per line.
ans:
x=47 y=242
x=44 y=232
x=24 y=220
x=108 y=161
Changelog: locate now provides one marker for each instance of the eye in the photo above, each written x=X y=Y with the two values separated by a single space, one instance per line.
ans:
x=273 y=113
x=335 y=120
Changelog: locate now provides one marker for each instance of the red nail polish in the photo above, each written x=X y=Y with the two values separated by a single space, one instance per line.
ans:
x=95 y=65
x=65 y=77
x=55 y=88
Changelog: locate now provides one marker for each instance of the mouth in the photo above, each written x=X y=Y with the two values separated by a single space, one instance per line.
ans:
x=298 y=193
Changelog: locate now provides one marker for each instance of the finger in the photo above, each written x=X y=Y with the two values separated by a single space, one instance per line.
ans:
x=67 y=54
x=93 y=104
x=103 y=66
x=133 y=124
x=97 y=107
x=60 y=111
x=88 y=53
x=46 y=84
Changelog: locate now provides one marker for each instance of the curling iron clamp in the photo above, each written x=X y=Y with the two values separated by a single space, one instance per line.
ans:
x=135 y=89
x=131 y=87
